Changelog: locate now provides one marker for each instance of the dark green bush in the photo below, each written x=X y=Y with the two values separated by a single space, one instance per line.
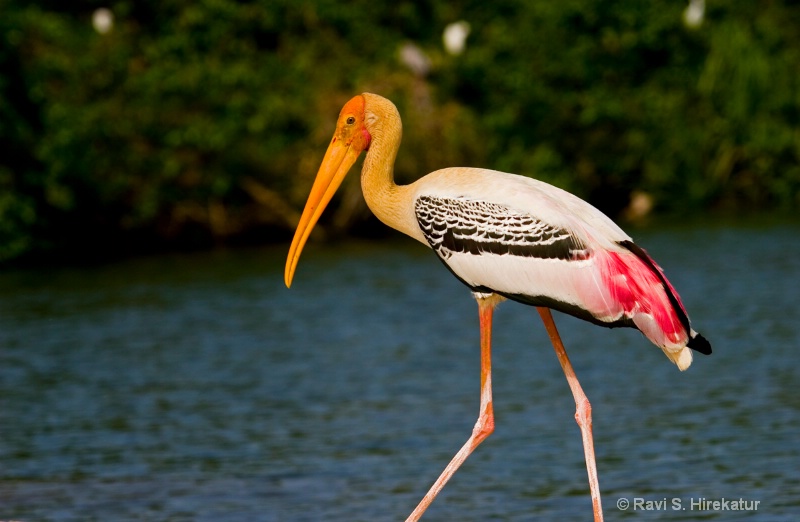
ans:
x=195 y=122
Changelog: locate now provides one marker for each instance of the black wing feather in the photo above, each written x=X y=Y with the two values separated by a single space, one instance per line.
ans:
x=461 y=225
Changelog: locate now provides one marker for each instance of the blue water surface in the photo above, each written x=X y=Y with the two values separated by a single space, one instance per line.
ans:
x=198 y=387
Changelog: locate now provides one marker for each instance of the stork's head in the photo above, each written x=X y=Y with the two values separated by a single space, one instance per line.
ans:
x=349 y=140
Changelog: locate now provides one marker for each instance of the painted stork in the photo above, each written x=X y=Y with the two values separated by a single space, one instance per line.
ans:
x=506 y=237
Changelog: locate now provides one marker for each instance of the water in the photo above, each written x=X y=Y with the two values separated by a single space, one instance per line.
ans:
x=199 y=388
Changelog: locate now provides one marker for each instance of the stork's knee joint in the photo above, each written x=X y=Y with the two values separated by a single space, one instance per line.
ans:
x=583 y=413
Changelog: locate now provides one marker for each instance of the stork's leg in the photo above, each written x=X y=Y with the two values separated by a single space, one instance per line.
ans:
x=485 y=424
x=583 y=410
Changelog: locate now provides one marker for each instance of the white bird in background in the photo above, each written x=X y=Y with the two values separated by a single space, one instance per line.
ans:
x=455 y=36
x=506 y=237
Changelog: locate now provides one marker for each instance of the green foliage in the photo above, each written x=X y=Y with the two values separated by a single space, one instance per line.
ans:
x=193 y=122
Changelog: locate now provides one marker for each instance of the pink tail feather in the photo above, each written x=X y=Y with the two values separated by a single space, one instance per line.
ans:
x=639 y=285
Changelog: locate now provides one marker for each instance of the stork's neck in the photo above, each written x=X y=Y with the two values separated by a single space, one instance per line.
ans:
x=377 y=174
x=391 y=203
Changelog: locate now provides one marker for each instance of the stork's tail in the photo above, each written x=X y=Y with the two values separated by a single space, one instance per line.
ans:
x=683 y=356
x=699 y=343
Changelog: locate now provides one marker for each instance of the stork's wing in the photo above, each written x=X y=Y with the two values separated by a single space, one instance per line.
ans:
x=463 y=225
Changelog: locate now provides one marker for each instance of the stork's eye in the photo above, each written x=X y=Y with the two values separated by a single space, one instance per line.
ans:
x=351 y=120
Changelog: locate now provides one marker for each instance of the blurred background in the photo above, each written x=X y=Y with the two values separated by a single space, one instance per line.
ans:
x=154 y=157
x=135 y=126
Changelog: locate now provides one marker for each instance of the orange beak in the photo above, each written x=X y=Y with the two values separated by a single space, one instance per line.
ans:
x=338 y=159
